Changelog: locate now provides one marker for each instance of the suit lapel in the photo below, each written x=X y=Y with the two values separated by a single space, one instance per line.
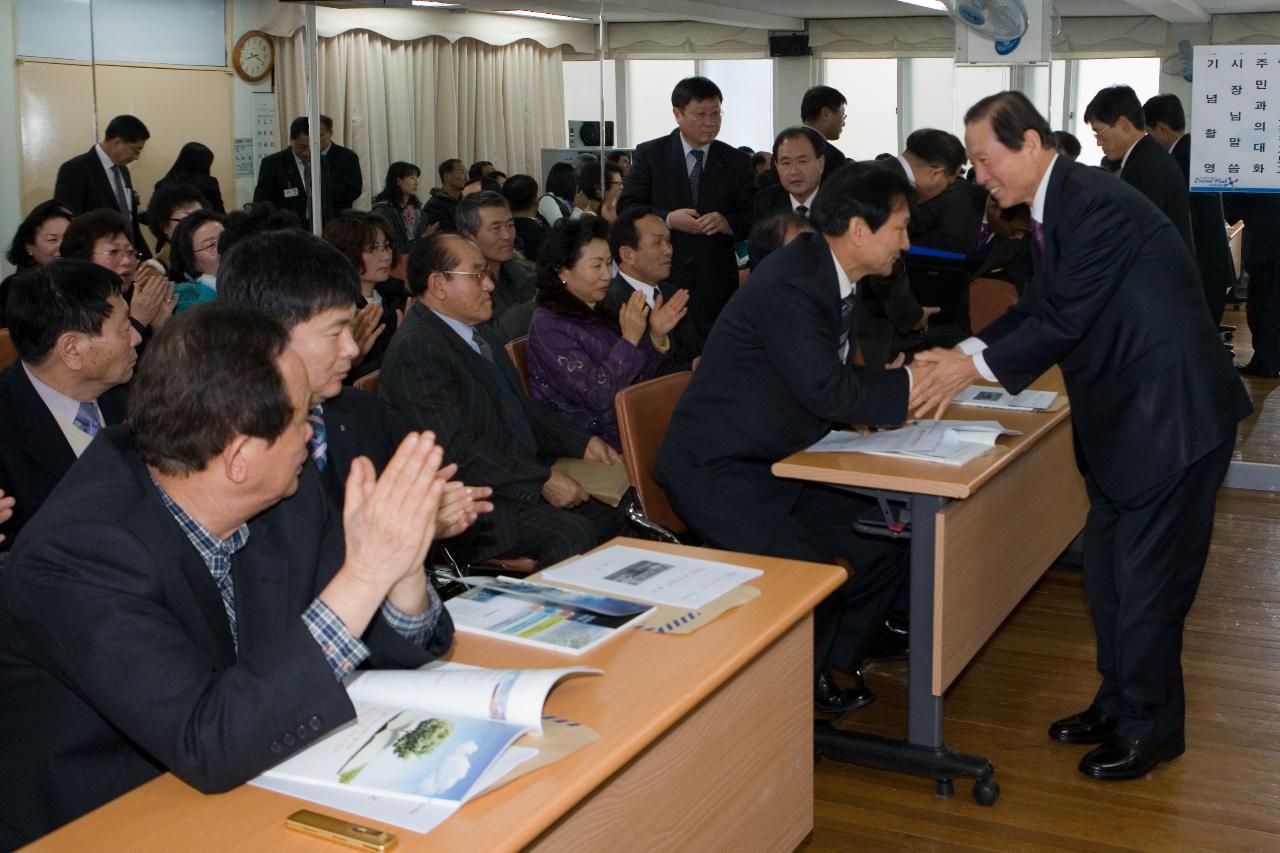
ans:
x=100 y=178
x=45 y=442
x=712 y=171
x=261 y=574
x=676 y=160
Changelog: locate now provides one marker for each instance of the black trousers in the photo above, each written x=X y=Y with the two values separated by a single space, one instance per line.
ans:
x=1143 y=559
x=1262 y=310
x=819 y=529
x=545 y=533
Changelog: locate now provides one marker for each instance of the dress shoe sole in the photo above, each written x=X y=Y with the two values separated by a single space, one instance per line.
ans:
x=865 y=697
x=1104 y=775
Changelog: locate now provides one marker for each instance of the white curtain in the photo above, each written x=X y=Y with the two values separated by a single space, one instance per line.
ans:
x=429 y=100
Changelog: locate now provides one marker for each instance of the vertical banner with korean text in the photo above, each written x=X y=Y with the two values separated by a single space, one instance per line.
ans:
x=1235 y=119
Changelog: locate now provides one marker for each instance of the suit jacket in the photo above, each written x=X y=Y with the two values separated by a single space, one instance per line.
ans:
x=1118 y=306
x=280 y=183
x=1261 y=215
x=686 y=343
x=355 y=425
x=441 y=207
x=1208 y=228
x=117 y=661
x=432 y=379
x=833 y=158
x=1153 y=172
x=705 y=265
x=770 y=202
x=82 y=185
x=344 y=173
x=513 y=295
x=951 y=220
x=770 y=383
x=34 y=454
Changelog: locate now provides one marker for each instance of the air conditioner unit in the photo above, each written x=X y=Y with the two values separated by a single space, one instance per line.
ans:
x=586 y=134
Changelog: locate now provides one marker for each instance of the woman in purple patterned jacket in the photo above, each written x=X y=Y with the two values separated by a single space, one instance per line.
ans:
x=581 y=352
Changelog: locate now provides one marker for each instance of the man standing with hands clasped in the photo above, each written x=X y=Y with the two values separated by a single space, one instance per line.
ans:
x=1116 y=303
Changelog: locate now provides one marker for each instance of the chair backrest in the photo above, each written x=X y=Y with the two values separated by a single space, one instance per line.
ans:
x=989 y=299
x=8 y=353
x=369 y=382
x=644 y=411
x=517 y=351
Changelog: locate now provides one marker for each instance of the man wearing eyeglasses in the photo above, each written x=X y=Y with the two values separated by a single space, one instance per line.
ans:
x=704 y=190
x=445 y=371
x=100 y=177
x=1118 y=123
x=76 y=352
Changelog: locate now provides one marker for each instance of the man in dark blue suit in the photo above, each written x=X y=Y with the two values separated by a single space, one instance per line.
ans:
x=703 y=189
x=76 y=355
x=1117 y=304
x=776 y=374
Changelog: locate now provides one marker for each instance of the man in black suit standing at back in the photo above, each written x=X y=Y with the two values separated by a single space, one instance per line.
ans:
x=776 y=374
x=1116 y=303
x=284 y=178
x=342 y=168
x=100 y=177
x=703 y=189
x=823 y=109
x=76 y=351
x=1167 y=125
x=1115 y=114
x=801 y=165
x=641 y=246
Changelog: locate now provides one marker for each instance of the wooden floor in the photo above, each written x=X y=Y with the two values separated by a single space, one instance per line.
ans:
x=1259 y=437
x=1223 y=794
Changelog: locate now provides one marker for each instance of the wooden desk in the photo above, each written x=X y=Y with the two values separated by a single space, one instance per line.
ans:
x=705 y=743
x=981 y=535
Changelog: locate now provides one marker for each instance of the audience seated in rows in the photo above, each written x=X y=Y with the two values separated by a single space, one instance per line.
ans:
x=169 y=205
x=398 y=204
x=799 y=161
x=446 y=372
x=37 y=241
x=75 y=346
x=102 y=236
x=169 y=610
x=368 y=245
x=194 y=267
x=562 y=188
x=442 y=201
x=521 y=193
x=486 y=219
x=582 y=352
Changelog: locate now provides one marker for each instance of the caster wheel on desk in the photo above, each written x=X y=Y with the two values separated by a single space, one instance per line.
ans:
x=986 y=791
x=944 y=789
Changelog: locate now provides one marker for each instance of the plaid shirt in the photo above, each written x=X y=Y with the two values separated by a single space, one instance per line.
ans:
x=342 y=650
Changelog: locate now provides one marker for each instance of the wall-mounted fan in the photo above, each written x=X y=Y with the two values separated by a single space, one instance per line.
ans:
x=1002 y=21
x=1180 y=64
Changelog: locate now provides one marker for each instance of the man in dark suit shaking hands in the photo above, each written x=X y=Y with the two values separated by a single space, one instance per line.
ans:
x=776 y=374
x=703 y=189
x=1116 y=302
x=100 y=177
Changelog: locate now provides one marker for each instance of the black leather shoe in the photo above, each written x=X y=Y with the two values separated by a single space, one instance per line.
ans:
x=1089 y=726
x=1120 y=758
x=830 y=698
x=889 y=644
x=1253 y=369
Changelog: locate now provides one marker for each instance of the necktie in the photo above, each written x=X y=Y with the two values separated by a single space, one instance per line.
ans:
x=122 y=195
x=1037 y=237
x=984 y=234
x=87 y=419
x=319 y=443
x=695 y=174
x=802 y=210
x=509 y=394
x=481 y=344
x=846 y=322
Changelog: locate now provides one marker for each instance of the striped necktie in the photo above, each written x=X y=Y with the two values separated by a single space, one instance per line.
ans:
x=846 y=323
x=319 y=443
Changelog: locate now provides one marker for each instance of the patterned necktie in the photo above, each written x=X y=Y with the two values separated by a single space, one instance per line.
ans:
x=802 y=210
x=1037 y=237
x=846 y=323
x=483 y=346
x=319 y=443
x=87 y=419
x=122 y=195
x=984 y=234
x=695 y=174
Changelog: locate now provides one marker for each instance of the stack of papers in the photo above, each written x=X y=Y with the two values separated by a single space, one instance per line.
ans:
x=651 y=576
x=947 y=442
x=998 y=398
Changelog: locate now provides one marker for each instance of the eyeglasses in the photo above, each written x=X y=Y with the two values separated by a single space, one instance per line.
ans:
x=212 y=244
x=714 y=115
x=478 y=276
x=117 y=254
x=1097 y=134
x=380 y=247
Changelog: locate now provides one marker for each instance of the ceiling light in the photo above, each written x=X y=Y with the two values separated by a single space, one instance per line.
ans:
x=438 y=4
x=547 y=16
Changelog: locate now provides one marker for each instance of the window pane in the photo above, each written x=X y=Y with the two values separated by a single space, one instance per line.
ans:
x=871 y=85
x=972 y=84
x=582 y=92
x=1095 y=74
x=649 y=85
x=747 y=85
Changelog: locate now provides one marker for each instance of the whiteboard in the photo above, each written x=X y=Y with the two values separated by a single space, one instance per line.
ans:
x=1235 y=119
x=160 y=32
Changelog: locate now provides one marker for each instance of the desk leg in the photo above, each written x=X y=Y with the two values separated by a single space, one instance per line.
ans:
x=923 y=752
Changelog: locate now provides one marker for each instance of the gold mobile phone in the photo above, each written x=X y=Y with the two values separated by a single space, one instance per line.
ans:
x=342 y=831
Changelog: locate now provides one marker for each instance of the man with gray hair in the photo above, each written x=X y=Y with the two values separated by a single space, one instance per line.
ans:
x=485 y=218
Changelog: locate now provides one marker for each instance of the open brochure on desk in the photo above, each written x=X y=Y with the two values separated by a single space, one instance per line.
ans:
x=424 y=742
x=953 y=442
x=651 y=576
x=560 y=620
x=998 y=398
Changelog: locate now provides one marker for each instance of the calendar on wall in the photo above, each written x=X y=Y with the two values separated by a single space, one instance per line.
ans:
x=1235 y=119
